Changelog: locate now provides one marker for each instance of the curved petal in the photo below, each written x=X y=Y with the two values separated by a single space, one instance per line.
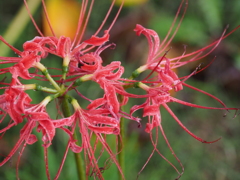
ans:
x=98 y=41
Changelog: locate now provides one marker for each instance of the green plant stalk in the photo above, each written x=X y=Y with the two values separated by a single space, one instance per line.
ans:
x=44 y=71
x=78 y=159
x=121 y=142
x=79 y=162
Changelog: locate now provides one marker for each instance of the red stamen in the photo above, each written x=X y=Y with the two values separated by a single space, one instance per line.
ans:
x=47 y=17
x=33 y=21
x=184 y=127
x=176 y=30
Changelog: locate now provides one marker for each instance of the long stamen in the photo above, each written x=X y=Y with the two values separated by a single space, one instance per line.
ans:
x=106 y=17
x=10 y=46
x=174 y=33
x=208 y=94
x=33 y=21
x=80 y=21
x=102 y=24
x=19 y=158
x=116 y=16
x=215 y=44
x=198 y=106
x=86 y=21
x=156 y=65
x=169 y=146
x=184 y=127
x=47 y=17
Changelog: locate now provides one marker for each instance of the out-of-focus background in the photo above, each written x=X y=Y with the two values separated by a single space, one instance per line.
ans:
x=204 y=22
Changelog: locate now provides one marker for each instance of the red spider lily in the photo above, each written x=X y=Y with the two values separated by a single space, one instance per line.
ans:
x=13 y=102
x=82 y=62
x=93 y=121
x=165 y=80
x=108 y=80
x=16 y=102
x=33 y=114
x=37 y=116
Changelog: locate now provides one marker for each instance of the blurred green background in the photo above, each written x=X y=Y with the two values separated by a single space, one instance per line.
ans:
x=204 y=22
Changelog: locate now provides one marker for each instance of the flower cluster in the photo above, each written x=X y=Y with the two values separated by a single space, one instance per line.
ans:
x=82 y=62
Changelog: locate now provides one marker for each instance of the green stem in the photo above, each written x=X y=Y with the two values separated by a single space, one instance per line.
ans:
x=46 y=89
x=37 y=88
x=84 y=78
x=78 y=159
x=44 y=71
x=121 y=142
x=79 y=163
x=66 y=61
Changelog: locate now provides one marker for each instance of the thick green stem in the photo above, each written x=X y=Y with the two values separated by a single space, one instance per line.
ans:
x=79 y=163
x=121 y=142
x=78 y=159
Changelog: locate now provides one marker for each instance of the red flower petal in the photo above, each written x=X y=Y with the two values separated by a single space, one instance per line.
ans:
x=31 y=139
x=98 y=41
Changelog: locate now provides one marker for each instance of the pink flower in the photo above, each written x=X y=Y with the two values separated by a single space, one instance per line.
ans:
x=92 y=121
x=79 y=59
x=35 y=116
x=13 y=102
x=81 y=62
x=162 y=80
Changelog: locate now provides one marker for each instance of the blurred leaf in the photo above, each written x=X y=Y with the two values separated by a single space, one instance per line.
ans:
x=237 y=61
x=191 y=30
x=130 y=2
x=212 y=11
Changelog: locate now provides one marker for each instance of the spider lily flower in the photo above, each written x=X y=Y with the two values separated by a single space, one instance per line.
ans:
x=107 y=81
x=81 y=62
x=162 y=80
x=79 y=59
x=35 y=115
x=13 y=102
x=93 y=121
